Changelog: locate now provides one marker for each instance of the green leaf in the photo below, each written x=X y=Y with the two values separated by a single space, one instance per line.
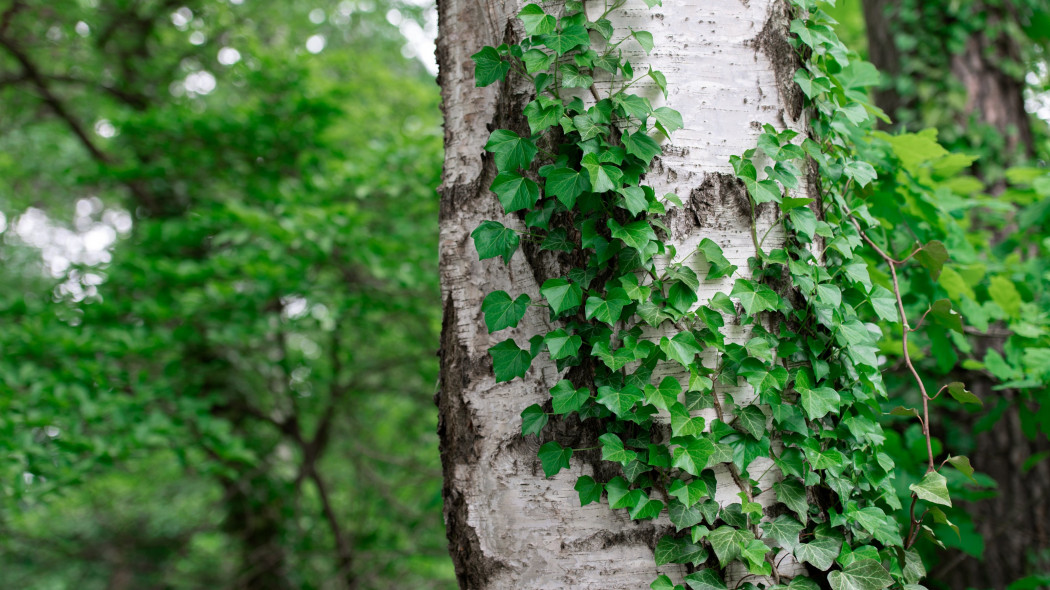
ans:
x=567 y=39
x=963 y=465
x=620 y=496
x=884 y=303
x=607 y=310
x=792 y=494
x=554 y=458
x=646 y=508
x=752 y=420
x=645 y=39
x=1005 y=295
x=642 y=146
x=822 y=550
x=682 y=424
x=669 y=119
x=664 y=395
x=515 y=191
x=863 y=574
x=692 y=456
x=933 y=488
x=688 y=493
x=572 y=78
x=566 y=184
x=603 y=177
x=754 y=297
x=509 y=361
x=492 y=239
x=784 y=530
x=819 y=402
x=613 y=449
x=962 y=395
x=511 y=150
x=861 y=172
x=567 y=398
x=536 y=21
x=942 y=313
x=636 y=234
x=619 y=401
x=533 y=419
x=544 y=112
x=489 y=67
x=682 y=348
x=503 y=312
x=561 y=295
x=720 y=266
x=589 y=490
x=663 y=583
x=933 y=256
x=561 y=345
x=705 y=579
x=727 y=543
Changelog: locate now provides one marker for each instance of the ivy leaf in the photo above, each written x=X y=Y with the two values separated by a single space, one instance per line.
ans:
x=884 y=303
x=664 y=583
x=645 y=39
x=784 y=530
x=755 y=553
x=705 y=579
x=681 y=348
x=604 y=177
x=572 y=78
x=567 y=398
x=754 y=297
x=683 y=517
x=861 y=172
x=620 y=496
x=489 y=67
x=536 y=21
x=819 y=402
x=719 y=264
x=727 y=543
x=942 y=313
x=492 y=239
x=561 y=345
x=642 y=146
x=511 y=150
x=669 y=119
x=664 y=395
x=515 y=191
x=561 y=295
x=878 y=524
x=537 y=60
x=509 y=361
x=822 y=550
x=646 y=508
x=682 y=424
x=963 y=465
x=533 y=419
x=543 y=113
x=692 y=456
x=613 y=449
x=607 y=310
x=820 y=458
x=566 y=184
x=933 y=488
x=589 y=490
x=792 y=494
x=503 y=312
x=863 y=574
x=688 y=493
x=636 y=234
x=752 y=420
x=962 y=395
x=1005 y=295
x=933 y=256
x=619 y=401
x=554 y=458
x=567 y=39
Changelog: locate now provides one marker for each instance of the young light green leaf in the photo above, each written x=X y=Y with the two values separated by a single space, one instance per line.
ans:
x=603 y=177
x=503 y=312
x=636 y=234
x=668 y=118
x=963 y=465
x=682 y=348
x=571 y=77
x=567 y=39
x=642 y=146
x=784 y=530
x=822 y=550
x=755 y=297
x=818 y=402
x=664 y=395
x=728 y=542
x=933 y=488
x=561 y=345
x=682 y=424
x=688 y=493
x=536 y=21
x=692 y=456
x=619 y=401
x=613 y=449
x=719 y=264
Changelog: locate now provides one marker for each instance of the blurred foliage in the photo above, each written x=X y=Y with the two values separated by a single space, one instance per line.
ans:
x=949 y=177
x=220 y=325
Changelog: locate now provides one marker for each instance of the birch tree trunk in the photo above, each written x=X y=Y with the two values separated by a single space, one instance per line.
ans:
x=729 y=68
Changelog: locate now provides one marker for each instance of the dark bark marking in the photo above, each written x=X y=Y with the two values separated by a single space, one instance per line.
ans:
x=773 y=42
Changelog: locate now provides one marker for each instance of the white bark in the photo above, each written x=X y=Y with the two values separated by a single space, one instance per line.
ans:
x=510 y=527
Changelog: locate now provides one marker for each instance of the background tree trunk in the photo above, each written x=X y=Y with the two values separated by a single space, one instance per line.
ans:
x=729 y=68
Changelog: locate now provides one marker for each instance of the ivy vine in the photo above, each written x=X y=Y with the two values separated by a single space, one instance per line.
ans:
x=811 y=361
